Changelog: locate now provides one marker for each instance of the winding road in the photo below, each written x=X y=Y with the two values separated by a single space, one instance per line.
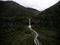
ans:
x=36 y=41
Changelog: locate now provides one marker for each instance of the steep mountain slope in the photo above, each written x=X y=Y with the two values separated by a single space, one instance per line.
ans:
x=8 y=5
x=52 y=12
x=13 y=24
x=48 y=25
x=36 y=12
x=14 y=21
x=54 y=8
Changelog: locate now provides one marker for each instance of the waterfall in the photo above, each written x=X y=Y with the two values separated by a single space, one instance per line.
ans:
x=36 y=41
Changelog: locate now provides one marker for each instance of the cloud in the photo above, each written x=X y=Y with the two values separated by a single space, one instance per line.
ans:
x=37 y=4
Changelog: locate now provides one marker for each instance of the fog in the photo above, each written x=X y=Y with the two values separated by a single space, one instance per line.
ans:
x=36 y=4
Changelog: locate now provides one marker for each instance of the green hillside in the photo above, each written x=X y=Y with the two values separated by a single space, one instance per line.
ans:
x=47 y=24
x=13 y=24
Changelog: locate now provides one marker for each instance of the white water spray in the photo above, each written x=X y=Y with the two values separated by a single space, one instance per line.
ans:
x=36 y=41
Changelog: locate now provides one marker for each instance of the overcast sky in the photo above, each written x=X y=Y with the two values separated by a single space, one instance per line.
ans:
x=37 y=4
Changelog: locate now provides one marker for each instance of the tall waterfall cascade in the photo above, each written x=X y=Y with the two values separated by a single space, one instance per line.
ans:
x=36 y=41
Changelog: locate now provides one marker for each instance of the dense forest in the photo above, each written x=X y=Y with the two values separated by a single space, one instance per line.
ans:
x=48 y=25
x=14 y=22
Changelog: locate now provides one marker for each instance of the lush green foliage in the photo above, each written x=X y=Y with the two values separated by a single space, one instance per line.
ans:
x=47 y=24
x=14 y=22
x=13 y=25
